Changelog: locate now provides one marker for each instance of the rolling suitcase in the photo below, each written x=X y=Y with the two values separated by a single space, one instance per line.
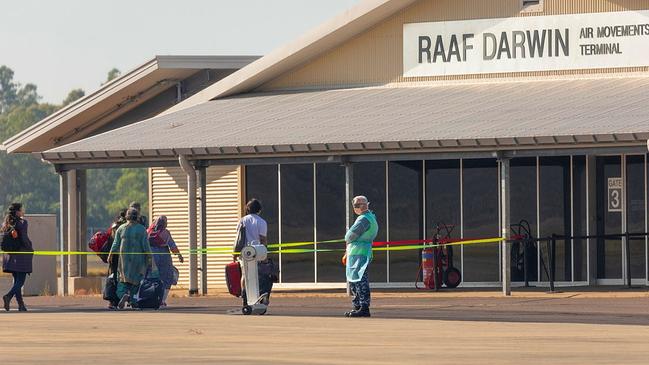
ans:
x=233 y=278
x=149 y=294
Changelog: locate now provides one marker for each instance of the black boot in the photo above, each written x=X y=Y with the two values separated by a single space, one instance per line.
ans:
x=7 y=302
x=21 y=305
x=356 y=308
x=362 y=312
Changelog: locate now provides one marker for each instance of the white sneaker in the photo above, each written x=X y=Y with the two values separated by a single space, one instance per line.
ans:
x=123 y=301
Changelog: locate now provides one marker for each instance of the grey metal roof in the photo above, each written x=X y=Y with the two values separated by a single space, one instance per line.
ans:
x=507 y=115
x=116 y=98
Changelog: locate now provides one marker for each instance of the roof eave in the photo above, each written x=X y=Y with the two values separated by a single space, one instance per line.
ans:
x=636 y=141
x=16 y=143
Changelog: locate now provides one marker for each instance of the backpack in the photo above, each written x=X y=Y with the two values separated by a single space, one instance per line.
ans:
x=10 y=241
x=240 y=242
x=98 y=241
x=155 y=238
x=104 y=250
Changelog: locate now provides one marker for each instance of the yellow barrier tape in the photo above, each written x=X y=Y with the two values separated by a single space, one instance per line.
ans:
x=228 y=250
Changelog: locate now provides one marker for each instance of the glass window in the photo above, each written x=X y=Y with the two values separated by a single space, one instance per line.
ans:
x=405 y=182
x=523 y=217
x=369 y=180
x=635 y=205
x=609 y=221
x=330 y=220
x=554 y=214
x=297 y=221
x=480 y=193
x=580 y=217
x=443 y=202
x=261 y=183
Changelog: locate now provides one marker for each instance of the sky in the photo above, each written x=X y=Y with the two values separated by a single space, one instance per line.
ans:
x=66 y=44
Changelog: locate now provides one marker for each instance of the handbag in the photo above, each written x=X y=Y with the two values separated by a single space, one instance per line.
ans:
x=270 y=269
x=10 y=241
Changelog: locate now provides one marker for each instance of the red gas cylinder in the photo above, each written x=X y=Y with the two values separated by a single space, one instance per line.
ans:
x=428 y=267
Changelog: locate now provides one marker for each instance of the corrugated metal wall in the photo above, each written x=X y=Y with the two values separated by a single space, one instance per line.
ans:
x=375 y=56
x=169 y=197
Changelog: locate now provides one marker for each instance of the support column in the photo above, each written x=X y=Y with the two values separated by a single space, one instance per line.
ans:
x=191 y=224
x=82 y=213
x=505 y=173
x=202 y=196
x=74 y=263
x=349 y=195
x=63 y=233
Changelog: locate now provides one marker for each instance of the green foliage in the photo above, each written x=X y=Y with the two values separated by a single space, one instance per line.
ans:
x=110 y=190
x=73 y=96
x=12 y=94
x=131 y=186
x=26 y=179
x=112 y=75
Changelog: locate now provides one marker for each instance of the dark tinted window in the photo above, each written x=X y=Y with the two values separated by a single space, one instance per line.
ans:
x=609 y=251
x=636 y=213
x=369 y=180
x=554 y=213
x=443 y=202
x=580 y=214
x=261 y=183
x=330 y=218
x=297 y=221
x=406 y=212
x=523 y=217
x=480 y=179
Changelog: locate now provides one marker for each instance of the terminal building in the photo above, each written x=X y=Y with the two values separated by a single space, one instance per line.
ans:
x=473 y=114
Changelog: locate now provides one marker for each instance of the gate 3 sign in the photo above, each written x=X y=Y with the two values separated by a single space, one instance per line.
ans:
x=541 y=43
x=615 y=194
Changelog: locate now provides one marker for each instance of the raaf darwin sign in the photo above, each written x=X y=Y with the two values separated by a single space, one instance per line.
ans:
x=537 y=43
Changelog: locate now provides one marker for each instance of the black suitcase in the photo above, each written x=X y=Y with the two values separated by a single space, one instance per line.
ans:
x=149 y=294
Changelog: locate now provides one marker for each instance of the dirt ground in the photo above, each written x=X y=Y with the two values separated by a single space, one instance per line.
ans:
x=463 y=327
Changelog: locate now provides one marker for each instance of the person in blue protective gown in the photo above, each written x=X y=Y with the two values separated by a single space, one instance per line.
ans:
x=358 y=256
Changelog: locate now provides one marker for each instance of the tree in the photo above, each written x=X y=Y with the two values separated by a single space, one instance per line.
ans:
x=112 y=75
x=13 y=94
x=73 y=96
x=131 y=186
x=26 y=179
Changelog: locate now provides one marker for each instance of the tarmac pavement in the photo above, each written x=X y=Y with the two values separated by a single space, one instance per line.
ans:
x=462 y=327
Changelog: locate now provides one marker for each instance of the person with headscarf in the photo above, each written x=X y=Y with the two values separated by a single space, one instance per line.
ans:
x=162 y=245
x=135 y=259
x=358 y=256
x=19 y=263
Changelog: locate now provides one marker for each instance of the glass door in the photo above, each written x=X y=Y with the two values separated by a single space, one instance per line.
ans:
x=635 y=215
x=610 y=205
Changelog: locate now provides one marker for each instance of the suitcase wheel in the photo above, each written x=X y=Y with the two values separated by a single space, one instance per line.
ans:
x=246 y=310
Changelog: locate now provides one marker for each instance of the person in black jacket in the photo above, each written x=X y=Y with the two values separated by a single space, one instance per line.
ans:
x=143 y=220
x=18 y=264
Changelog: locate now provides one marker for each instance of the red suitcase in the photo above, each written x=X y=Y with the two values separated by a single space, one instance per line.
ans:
x=233 y=278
